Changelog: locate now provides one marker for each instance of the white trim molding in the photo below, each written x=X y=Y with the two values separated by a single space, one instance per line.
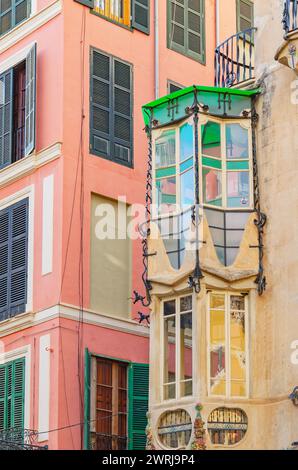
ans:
x=47 y=224
x=35 y=21
x=28 y=164
x=24 y=193
x=19 y=353
x=44 y=387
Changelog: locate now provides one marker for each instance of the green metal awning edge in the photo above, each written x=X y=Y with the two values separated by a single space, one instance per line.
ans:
x=177 y=94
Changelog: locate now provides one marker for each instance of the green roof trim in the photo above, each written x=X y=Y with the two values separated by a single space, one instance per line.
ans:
x=207 y=89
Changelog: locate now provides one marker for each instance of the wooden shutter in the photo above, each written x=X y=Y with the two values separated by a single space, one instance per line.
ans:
x=141 y=15
x=138 y=405
x=87 y=396
x=6 y=117
x=30 y=101
x=86 y=3
x=122 y=91
x=12 y=391
x=13 y=255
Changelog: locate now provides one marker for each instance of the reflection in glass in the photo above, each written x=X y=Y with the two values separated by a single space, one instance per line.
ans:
x=165 y=150
x=237 y=341
x=186 y=142
x=212 y=187
x=217 y=345
x=237 y=142
x=238 y=189
x=166 y=194
x=169 y=357
x=211 y=141
x=186 y=354
x=187 y=188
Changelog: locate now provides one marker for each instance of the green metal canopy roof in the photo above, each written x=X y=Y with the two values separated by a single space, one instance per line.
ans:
x=189 y=90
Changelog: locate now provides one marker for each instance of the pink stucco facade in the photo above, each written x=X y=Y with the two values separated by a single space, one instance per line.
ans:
x=62 y=139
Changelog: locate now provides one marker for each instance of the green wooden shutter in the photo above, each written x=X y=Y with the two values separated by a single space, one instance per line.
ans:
x=87 y=392
x=6 y=117
x=123 y=129
x=138 y=405
x=30 y=101
x=141 y=15
x=12 y=394
x=13 y=259
x=86 y=3
x=101 y=104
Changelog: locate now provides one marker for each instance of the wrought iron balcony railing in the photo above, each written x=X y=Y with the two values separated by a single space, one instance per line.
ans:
x=19 y=439
x=290 y=16
x=234 y=59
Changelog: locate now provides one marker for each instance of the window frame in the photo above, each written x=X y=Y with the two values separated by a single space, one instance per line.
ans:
x=244 y=123
x=239 y=16
x=247 y=303
x=178 y=381
x=175 y=84
x=184 y=50
x=130 y=23
x=31 y=11
x=111 y=138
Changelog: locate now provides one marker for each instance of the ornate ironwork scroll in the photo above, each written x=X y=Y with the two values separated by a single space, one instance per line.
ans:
x=261 y=219
x=195 y=279
x=20 y=439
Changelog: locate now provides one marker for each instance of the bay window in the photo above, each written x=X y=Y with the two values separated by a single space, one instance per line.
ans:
x=227 y=344
x=177 y=341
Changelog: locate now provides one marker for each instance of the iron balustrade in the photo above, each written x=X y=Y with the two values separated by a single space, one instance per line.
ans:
x=234 y=59
x=20 y=439
x=290 y=14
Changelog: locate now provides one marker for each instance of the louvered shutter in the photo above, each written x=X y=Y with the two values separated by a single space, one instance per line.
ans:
x=86 y=3
x=30 y=101
x=6 y=16
x=141 y=15
x=12 y=391
x=100 y=104
x=122 y=112
x=6 y=117
x=138 y=405
x=13 y=255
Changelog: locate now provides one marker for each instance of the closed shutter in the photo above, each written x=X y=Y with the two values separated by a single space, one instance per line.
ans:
x=30 y=101
x=13 y=255
x=141 y=15
x=12 y=388
x=6 y=117
x=111 y=108
x=138 y=405
x=87 y=3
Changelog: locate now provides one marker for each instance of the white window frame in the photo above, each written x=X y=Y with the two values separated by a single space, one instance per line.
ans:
x=177 y=349
x=25 y=193
x=244 y=123
x=227 y=295
x=19 y=353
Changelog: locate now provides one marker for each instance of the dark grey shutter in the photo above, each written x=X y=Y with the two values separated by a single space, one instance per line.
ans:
x=6 y=117
x=122 y=112
x=86 y=3
x=100 y=105
x=14 y=259
x=30 y=101
x=141 y=15
x=6 y=16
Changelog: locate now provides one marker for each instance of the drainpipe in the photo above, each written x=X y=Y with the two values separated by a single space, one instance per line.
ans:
x=156 y=50
x=217 y=4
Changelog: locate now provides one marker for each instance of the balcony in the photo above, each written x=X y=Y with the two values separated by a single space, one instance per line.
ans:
x=287 y=52
x=234 y=60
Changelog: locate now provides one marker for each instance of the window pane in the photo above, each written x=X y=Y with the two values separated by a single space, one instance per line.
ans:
x=165 y=150
x=234 y=238
x=169 y=357
x=187 y=188
x=217 y=345
x=238 y=189
x=231 y=254
x=166 y=195
x=169 y=308
x=237 y=340
x=237 y=219
x=186 y=304
x=218 y=236
x=186 y=354
x=212 y=187
x=186 y=142
x=237 y=141
x=215 y=218
x=211 y=141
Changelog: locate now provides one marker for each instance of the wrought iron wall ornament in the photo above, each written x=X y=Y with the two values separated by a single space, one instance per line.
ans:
x=145 y=227
x=261 y=219
x=20 y=439
x=195 y=279
x=294 y=396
